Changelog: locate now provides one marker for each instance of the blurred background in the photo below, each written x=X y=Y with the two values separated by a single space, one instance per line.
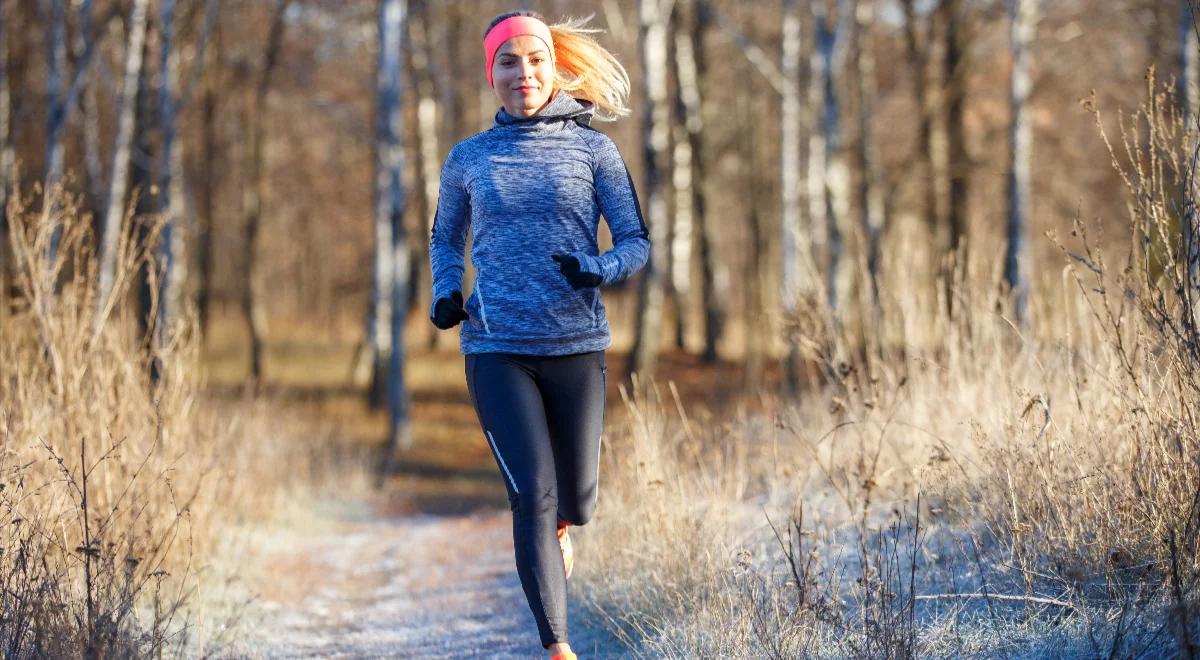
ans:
x=913 y=261
x=778 y=147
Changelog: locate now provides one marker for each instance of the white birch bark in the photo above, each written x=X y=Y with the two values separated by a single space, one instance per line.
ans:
x=392 y=250
x=1023 y=25
x=1189 y=94
x=126 y=116
x=690 y=67
x=652 y=35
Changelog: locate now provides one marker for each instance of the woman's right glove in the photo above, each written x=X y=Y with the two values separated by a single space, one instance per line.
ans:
x=449 y=312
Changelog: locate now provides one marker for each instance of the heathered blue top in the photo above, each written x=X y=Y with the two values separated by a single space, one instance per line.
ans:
x=529 y=188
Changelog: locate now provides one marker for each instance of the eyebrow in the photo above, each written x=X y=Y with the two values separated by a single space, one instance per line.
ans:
x=540 y=51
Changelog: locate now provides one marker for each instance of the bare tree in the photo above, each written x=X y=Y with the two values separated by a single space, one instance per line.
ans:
x=6 y=151
x=390 y=306
x=691 y=69
x=792 y=241
x=1189 y=96
x=652 y=37
x=426 y=186
x=679 y=253
x=954 y=159
x=126 y=114
x=169 y=176
x=918 y=63
x=252 y=195
x=209 y=179
x=1024 y=19
x=828 y=185
x=869 y=192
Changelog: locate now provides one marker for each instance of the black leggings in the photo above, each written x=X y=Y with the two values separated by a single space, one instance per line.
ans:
x=542 y=416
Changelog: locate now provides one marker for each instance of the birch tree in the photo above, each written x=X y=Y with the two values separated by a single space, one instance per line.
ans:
x=1189 y=98
x=126 y=114
x=427 y=174
x=868 y=190
x=828 y=185
x=169 y=198
x=1023 y=16
x=252 y=196
x=680 y=254
x=390 y=304
x=652 y=38
x=792 y=241
x=691 y=69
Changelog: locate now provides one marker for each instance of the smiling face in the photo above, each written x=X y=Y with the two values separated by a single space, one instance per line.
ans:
x=523 y=75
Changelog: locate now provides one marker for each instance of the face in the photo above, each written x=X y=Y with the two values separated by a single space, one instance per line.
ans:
x=523 y=75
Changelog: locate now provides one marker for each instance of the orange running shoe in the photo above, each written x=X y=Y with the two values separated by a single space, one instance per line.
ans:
x=564 y=544
x=565 y=655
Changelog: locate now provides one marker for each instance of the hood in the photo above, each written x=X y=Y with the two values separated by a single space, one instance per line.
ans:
x=563 y=107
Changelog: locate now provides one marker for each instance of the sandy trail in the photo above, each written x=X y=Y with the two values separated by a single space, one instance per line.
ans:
x=415 y=586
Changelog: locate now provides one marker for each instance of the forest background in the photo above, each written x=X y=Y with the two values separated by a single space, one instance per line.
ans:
x=966 y=214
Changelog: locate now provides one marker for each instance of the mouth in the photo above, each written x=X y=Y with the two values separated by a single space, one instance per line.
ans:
x=525 y=88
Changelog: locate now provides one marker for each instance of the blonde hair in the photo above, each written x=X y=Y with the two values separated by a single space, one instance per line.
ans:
x=582 y=66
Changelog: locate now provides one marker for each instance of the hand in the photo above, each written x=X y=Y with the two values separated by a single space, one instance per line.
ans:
x=449 y=312
x=569 y=267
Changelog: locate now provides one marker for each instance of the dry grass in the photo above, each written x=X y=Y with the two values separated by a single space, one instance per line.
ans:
x=979 y=489
x=125 y=501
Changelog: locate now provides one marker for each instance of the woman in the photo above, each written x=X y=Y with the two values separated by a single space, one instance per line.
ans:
x=532 y=189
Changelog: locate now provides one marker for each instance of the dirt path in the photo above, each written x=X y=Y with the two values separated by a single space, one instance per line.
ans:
x=414 y=586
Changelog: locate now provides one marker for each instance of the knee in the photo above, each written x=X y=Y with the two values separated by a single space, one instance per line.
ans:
x=580 y=510
x=533 y=504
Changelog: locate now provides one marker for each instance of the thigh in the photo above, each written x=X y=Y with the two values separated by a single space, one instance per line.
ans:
x=573 y=389
x=511 y=413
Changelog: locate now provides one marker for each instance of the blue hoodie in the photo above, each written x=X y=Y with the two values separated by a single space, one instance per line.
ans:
x=529 y=188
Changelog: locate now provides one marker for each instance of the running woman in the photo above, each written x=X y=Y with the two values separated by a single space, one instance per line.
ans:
x=532 y=190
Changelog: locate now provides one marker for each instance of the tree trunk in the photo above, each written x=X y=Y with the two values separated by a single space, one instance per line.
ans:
x=792 y=241
x=681 y=188
x=955 y=157
x=169 y=197
x=692 y=71
x=652 y=35
x=1024 y=19
x=392 y=251
x=868 y=189
x=56 y=64
x=142 y=179
x=918 y=63
x=209 y=182
x=6 y=154
x=252 y=196
x=428 y=176
x=1189 y=94
x=126 y=115
x=757 y=334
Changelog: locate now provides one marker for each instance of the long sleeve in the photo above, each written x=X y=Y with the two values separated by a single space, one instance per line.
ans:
x=619 y=205
x=448 y=240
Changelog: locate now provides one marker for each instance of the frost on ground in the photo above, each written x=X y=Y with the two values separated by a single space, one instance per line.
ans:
x=366 y=586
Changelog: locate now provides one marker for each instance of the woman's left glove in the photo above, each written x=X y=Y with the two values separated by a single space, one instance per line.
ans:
x=569 y=267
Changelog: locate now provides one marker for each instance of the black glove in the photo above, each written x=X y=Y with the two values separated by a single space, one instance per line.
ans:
x=569 y=267
x=449 y=312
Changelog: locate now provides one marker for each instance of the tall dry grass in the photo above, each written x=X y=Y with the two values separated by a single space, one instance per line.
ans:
x=980 y=488
x=125 y=500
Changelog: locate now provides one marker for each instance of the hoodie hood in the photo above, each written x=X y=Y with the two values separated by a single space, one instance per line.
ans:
x=563 y=107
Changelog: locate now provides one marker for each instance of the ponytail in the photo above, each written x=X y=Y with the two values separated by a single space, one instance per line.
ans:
x=587 y=69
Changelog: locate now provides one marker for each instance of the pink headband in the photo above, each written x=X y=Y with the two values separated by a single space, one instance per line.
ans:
x=514 y=26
